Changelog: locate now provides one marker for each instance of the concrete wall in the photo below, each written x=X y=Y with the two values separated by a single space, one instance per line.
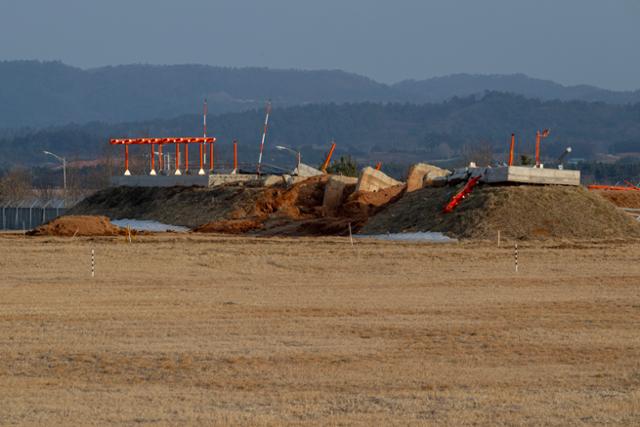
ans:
x=179 y=180
x=529 y=175
x=159 y=181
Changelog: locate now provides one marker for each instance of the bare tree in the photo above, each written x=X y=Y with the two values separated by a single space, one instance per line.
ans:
x=16 y=185
x=481 y=154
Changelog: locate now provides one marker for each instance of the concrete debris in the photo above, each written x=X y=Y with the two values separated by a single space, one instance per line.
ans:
x=420 y=172
x=293 y=180
x=459 y=175
x=373 y=180
x=334 y=193
x=271 y=180
x=306 y=171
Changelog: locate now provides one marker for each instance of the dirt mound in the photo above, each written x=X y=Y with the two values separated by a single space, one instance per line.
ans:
x=519 y=212
x=363 y=203
x=186 y=206
x=232 y=226
x=278 y=210
x=623 y=199
x=298 y=211
x=77 y=225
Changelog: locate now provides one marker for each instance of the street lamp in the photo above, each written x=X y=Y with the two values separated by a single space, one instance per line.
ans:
x=566 y=152
x=64 y=168
x=291 y=150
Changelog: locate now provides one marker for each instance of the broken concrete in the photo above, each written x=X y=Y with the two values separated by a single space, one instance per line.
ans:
x=306 y=171
x=271 y=180
x=334 y=193
x=290 y=180
x=419 y=172
x=373 y=180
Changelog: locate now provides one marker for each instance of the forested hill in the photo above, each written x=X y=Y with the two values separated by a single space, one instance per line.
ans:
x=370 y=130
x=38 y=94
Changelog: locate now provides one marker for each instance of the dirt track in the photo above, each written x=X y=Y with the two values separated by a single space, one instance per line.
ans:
x=233 y=330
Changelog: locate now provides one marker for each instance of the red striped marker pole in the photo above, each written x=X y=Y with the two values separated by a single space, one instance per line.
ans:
x=264 y=135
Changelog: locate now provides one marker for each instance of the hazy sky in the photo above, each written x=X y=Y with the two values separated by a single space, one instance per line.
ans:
x=569 y=41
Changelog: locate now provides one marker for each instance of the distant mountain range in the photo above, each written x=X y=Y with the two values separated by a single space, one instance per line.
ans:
x=36 y=94
x=390 y=132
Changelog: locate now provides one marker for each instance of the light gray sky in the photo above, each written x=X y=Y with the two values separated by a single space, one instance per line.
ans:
x=570 y=41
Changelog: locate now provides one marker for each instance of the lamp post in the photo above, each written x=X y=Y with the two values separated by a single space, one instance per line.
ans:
x=64 y=167
x=291 y=150
x=64 y=172
x=566 y=152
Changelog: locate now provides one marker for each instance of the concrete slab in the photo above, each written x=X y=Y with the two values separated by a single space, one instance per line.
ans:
x=292 y=180
x=374 y=180
x=159 y=181
x=418 y=173
x=334 y=192
x=231 y=178
x=271 y=180
x=180 y=180
x=529 y=175
x=306 y=171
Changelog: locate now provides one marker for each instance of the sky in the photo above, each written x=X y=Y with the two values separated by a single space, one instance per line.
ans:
x=593 y=42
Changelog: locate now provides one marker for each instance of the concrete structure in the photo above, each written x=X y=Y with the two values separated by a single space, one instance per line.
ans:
x=334 y=192
x=306 y=171
x=271 y=180
x=292 y=180
x=374 y=180
x=181 y=180
x=529 y=175
x=420 y=172
x=232 y=178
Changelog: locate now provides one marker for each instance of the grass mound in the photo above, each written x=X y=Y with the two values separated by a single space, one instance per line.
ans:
x=518 y=212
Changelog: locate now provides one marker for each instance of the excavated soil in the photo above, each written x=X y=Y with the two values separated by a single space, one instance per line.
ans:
x=623 y=199
x=185 y=206
x=230 y=209
x=78 y=225
x=232 y=226
x=518 y=212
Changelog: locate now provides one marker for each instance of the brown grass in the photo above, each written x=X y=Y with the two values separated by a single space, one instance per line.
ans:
x=202 y=329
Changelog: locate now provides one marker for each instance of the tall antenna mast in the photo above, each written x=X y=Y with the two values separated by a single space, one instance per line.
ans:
x=264 y=135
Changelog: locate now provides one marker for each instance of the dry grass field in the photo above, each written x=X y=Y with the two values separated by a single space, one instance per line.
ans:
x=186 y=329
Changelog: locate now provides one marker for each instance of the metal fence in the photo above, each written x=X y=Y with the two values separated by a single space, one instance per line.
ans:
x=28 y=214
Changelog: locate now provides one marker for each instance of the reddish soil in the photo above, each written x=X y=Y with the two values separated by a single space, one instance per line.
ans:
x=79 y=225
x=623 y=199
x=298 y=211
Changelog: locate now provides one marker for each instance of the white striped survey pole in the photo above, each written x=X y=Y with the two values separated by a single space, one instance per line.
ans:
x=515 y=254
x=264 y=135
x=93 y=263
